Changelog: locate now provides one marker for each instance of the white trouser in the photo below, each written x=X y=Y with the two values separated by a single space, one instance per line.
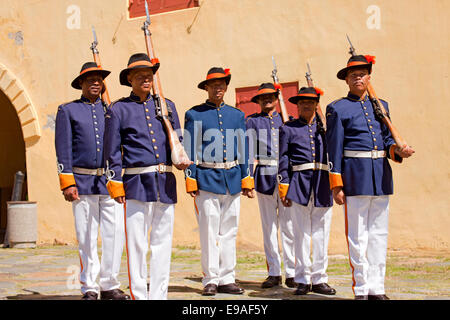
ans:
x=218 y=219
x=274 y=214
x=90 y=212
x=140 y=217
x=311 y=224
x=366 y=226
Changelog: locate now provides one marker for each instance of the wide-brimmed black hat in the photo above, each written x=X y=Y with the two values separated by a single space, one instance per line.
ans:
x=266 y=88
x=137 y=61
x=307 y=93
x=216 y=73
x=87 y=68
x=358 y=61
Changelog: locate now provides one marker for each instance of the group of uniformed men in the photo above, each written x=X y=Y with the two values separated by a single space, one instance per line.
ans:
x=114 y=165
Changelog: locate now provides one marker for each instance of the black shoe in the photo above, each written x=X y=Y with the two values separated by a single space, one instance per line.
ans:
x=231 y=288
x=302 y=289
x=323 y=288
x=115 y=294
x=90 y=295
x=271 y=281
x=361 y=298
x=378 y=297
x=209 y=290
x=289 y=282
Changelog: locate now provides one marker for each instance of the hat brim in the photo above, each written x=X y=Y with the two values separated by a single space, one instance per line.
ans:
x=255 y=98
x=76 y=83
x=124 y=73
x=342 y=74
x=296 y=99
x=202 y=84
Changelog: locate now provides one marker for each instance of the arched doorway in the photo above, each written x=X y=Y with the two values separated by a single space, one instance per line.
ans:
x=12 y=155
x=19 y=130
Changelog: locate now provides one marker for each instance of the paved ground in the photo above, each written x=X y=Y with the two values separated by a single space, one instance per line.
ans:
x=50 y=272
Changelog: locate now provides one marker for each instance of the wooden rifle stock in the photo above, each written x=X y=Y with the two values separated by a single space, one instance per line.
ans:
x=178 y=154
x=384 y=116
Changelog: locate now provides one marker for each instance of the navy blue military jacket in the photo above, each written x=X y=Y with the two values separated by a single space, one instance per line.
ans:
x=351 y=125
x=301 y=143
x=263 y=131
x=216 y=135
x=79 y=129
x=135 y=137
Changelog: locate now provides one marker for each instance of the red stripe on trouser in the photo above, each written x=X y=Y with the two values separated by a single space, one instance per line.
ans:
x=82 y=268
x=348 y=246
x=126 y=246
x=196 y=208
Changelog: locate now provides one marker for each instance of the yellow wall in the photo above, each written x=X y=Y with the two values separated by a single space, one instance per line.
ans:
x=412 y=70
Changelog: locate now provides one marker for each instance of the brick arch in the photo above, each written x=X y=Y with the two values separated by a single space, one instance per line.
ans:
x=15 y=91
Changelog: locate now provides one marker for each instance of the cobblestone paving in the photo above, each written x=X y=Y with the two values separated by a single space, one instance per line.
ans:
x=51 y=272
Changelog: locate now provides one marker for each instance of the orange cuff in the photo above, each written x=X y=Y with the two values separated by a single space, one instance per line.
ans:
x=248 y=183
x=335 y=180
x=115 y=189
x=66 y=180
x=191 y=185
x=283 y=189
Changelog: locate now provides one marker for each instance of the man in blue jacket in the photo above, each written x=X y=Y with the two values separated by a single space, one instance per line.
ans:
x=79 y=150
x=263 y=129
x=136 y=141
x=359 y=146
x=304 y=188
x=218 y=147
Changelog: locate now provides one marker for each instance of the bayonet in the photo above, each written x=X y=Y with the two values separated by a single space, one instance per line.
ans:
x=274 y=71
x=352 y=49
x=95 y=43
x=308 y=73
x=147 y=22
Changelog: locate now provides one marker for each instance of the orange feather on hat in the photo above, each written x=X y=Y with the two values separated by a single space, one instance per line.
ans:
x=370 y=59
x=277 y=86
x=318 y=91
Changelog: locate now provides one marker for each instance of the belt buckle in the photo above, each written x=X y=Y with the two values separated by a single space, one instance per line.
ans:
x=374 y=154
x=99 y=172
x=160 y=168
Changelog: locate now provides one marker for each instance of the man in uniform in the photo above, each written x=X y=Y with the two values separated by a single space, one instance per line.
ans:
x=359 y=145
x=220 y=172
x=305 y=191
x=135 y=140
x=79 y=150
x=263 y=128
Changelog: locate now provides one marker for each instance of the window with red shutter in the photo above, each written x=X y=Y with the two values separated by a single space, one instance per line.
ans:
x=136 y=8
x=244 y=95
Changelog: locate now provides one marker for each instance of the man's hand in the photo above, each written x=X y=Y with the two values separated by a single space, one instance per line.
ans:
x=71 y=194
x=286 y=202
x=338 y=195
x=249 y=193
x=183 y=165
x=120 y=199
x=194 y=193
x=404 y=152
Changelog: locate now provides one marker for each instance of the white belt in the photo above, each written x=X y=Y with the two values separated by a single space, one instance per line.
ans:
x=310 y=166
x=91 y=172
x=374 y=154
x=156 y=168
x=267 y=162
x=218 y=165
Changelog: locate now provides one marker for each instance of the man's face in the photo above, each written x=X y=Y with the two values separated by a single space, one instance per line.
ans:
x=92 y=84
x=357 y=79
x=216 y=89
x=306 y=108
x=141 y=80
x=267 y=101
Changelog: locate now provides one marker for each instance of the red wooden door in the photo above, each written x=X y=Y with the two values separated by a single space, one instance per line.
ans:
x=244 y=95
x=136 y=8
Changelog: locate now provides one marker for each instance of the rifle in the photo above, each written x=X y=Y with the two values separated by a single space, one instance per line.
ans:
x=319 y=112
x=284 y=113
x=178 y=154
x=105 y=94
x=379 y=110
